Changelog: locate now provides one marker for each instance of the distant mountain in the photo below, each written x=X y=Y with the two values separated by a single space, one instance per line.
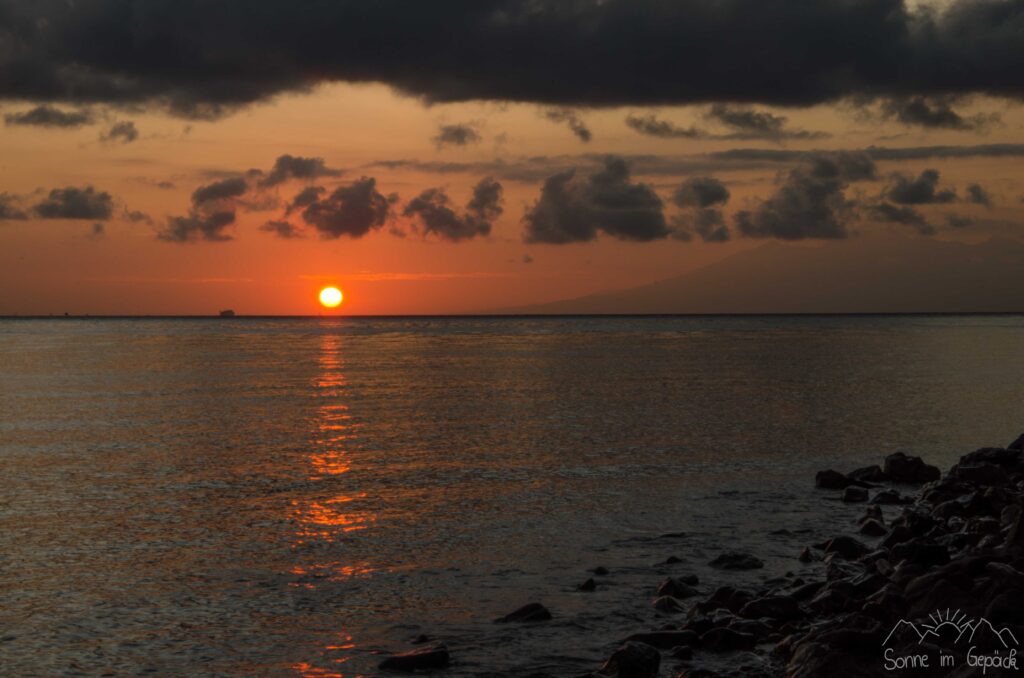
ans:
x=860 y=275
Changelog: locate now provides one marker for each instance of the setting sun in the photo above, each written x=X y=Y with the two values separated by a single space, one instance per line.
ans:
x=331 y=297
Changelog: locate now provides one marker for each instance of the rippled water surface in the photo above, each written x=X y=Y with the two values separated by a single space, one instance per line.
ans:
x=295 y=496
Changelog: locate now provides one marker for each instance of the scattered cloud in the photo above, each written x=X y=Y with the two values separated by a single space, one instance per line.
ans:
x=571 y=119
x=282 y=229
x=903 y=214
x=652 y=126
x=75 y=203
x=48 y=116
x=708 y=223
x=198 y=225
x=352 y=210
x=576 y=210
x=97 y=231
x=9 y=210
x=978 y=195
x=934 y=113
x=462 y=134
x=432 y=209
x=701 y=192
x=295 y=167
x=920 y=191
x=124 y=132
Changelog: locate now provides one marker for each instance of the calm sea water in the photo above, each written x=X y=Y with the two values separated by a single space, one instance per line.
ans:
x=290 y=497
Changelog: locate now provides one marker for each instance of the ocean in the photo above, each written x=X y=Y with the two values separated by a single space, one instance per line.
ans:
x=297 y=496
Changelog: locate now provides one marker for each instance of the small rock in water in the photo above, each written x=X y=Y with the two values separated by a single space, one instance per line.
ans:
x=673 y=560
x=676 y=588
x=668 y=605
x=806 y=556
x=589 y=585
x=632 y=660
x=737 y=561
x=600 y=571
x=869 y=474
x=872 y=528
x=853 y=495
x=422 y=659
x=421 y=639
x=534 y=612
x=831 y=480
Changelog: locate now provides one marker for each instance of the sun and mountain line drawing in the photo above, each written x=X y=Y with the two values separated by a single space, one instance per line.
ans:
x=946 y=623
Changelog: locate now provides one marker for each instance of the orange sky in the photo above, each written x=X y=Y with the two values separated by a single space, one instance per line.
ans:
x=56 y=266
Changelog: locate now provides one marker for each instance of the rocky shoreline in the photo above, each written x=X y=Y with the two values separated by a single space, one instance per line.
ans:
x=928 y=582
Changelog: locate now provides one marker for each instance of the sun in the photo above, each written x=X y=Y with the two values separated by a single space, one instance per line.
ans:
x=331 y=297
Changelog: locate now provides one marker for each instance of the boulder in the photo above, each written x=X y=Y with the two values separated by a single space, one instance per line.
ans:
x=1017 y=444
x=869 y=474
x=831 y=480
x=664 y=640
x=890 y=497
x=872 y=528
x=783 y=608
x=533 y=612
x=587 y=586
x=676 y=588
x=846 y=547
x=737 y=561
x=668 y=605
x=993 y=455
x=632 y=660
x=902 y=468
x=421 y=659
x=727 y=640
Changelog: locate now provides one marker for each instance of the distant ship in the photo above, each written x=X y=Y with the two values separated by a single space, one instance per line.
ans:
x=227 y=314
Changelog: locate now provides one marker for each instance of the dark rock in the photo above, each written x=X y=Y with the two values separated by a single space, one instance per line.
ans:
x=683 y=652
x=421 y=639
x=873 y=528
x=632 y=660
x=890 y=497
x=902 y=468
x=727 y=640
x=673 y=560
x=725 y=597
x=806 y=556
x=993 y=455
x=737 y=561
x=982 y=474
x=589 y=585
x=783 y=608
x=920 y=552
x=664 y=640
x=852 y=495
x=676 y=588
x=814 y=660
x=1017 y=444
x=534 y=612
x=668 y=605
x=831 y=480
x=421 y=659
x=869 y=474
x=846 y=547
x=600 y=571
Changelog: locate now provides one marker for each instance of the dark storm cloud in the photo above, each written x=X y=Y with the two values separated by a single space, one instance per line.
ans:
x=701 y=192
x=352 y=210
x=920 y=191
x=203 y=58
x=282 y=229
x=753 y=124
x=572 y=120
x=811 y=203
x=48 y=116
x=708 y=223
x=295 y=167
x=978 y=195
x=934 y=113
x=75 y=203
x=124 y=131
x=9 y=210
x=878 y=153
x=198 y=226
x=904 y=215
x=456 y=135
x=220 y=190
x=574 y=210
x=432 y=208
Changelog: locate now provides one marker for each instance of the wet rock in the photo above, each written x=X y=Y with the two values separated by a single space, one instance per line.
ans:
x=993 y=455
x=846 y=547
x=676 y=588
x=727 y=640
x=421 y=659
x=831 y=480
x=902 y=468
x=632 y=660
x=668 y=605
x=725 y=597
x=783 y=608
x=852 y=495
x=920 y=552
x=600 y=571
x=1017 y=444
x=982 y=474
x=421 y=639
x=664 y=640
x=587 y=586
x=890 y=497
x=806 y=556
x=683 y=652
x=869 y=474
x=533 y=612
x=737 y=561
x=873 y=528
x=673 y=560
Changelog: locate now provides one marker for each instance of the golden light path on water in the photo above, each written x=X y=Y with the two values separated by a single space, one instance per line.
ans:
x=325 y=521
